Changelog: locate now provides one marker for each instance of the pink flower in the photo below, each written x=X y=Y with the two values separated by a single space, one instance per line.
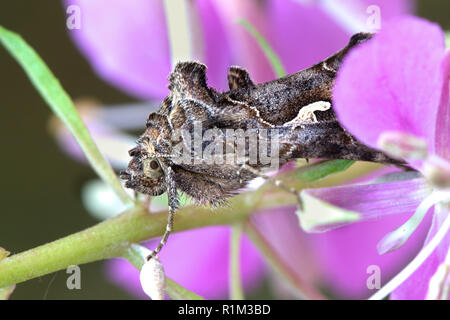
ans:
x=381 y=96
x=197 y=260
x=127 y=45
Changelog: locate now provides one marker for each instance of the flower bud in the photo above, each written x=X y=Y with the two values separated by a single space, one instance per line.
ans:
x=153 y=279
x=437 y=172
x=402 y=145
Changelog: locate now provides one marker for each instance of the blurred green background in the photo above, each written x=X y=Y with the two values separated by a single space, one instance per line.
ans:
x=40 y=190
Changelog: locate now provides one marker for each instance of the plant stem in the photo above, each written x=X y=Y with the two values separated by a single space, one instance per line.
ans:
x=271 y=56
x=299 y=286
x=236 y=291
x=109 y=238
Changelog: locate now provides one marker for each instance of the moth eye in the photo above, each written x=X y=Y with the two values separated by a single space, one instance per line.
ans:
x=154 y=164
x=151 y=168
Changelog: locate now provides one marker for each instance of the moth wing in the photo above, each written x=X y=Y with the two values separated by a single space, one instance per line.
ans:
x=239 y=78
x=188 y=80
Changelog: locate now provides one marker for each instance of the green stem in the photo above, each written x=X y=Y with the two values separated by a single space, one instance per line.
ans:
x=271 y=56
x=300 y=286
x=109 y=238
x=236 y=291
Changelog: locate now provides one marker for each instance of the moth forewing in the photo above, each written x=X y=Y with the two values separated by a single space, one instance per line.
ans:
x=296 y=109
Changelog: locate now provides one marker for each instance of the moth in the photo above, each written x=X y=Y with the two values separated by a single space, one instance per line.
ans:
x=298 y=107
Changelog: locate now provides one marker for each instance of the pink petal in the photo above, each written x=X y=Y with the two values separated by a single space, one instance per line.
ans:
x=127 y=44
x=216 y=46
x=279 y=227
x=416 y=286
x=388 y=8
x=443 y=117
x=302 y=34
x=381 y=85
x=397 y=238
x=204 y=269
x=336 y=260
x=245 y=49
x=345 y=254
x=364 y=202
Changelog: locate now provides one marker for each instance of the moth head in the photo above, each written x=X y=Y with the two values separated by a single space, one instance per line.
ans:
x=152 y=168
x=146 y=171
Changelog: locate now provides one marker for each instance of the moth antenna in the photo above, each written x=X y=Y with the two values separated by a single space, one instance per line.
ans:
x=173 y=206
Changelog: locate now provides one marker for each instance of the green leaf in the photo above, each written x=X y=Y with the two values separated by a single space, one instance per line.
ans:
x=309 y=176
x=177 y=292
x=323 y=169
x=447 y=39
x=274 y=60
x=51 y=91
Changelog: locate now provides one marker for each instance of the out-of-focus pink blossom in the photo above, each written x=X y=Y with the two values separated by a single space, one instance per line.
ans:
x=380 y=91
x=127 y=45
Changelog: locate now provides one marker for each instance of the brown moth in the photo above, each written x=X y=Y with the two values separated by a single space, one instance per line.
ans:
x=297 y=107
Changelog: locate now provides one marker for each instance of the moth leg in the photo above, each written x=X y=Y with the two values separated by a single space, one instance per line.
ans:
x=278 y=183
x=173 y=206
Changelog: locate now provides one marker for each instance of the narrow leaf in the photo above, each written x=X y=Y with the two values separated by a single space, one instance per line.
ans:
x=51 y=91
x=323 y=169
x=177 y=292
x=274 y=60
